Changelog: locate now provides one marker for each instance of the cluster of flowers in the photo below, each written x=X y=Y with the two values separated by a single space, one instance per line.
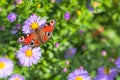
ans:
x=26 y=55
x=6 y=68
x=103 y=74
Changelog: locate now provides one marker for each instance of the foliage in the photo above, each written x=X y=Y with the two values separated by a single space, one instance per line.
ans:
x=98 y=19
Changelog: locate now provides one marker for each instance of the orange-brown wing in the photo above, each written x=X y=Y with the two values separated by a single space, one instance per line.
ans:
x=35 y=41
x=30 y=40
x=46 y=32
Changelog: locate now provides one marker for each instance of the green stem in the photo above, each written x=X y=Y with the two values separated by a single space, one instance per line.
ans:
x=29 y=73
x=5 y=78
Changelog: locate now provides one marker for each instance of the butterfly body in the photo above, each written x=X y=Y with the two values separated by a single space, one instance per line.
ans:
x=39 y=36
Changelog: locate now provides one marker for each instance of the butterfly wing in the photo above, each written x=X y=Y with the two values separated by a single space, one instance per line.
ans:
x=26 y=39
x=35 y=41
x=46 y=32
x=30 y=40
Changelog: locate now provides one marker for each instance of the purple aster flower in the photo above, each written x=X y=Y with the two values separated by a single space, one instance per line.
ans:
x=18 y=26
x=2 y=28
x=111 y=59
x=17 y=2
x=67 y=62
x=16 y=77
x=81 y=67
x=81 y=31
x=83 y=47
x=67 y=16
x=70 y=52
x=102 y=77
x=6 y=67
x=79 y=74
x=104 y=53
x=13 y=31
x=28 y=56
x=12 y=17
x=64 y=70
x=117 y=62
x=106 y=74
x=57 y=44
x=88 y=6
x=113 y=72
x=32 y=23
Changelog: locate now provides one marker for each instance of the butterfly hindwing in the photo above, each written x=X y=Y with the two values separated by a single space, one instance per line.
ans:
x=46 y=32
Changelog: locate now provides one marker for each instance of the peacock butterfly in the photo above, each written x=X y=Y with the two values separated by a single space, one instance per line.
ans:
x=39 y=36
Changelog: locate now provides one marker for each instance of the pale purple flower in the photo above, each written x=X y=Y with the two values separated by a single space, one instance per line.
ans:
x=81 y=31
x=12 y=17
x=16 y=77
x=57 y=44
x=18 y=26
x=106 y=74
x=2 y=28
x=13 y=31
x=90 y=8
x=17 y=2
x=67 y=62
x=81 y=67
x=64 y=70
x=112 y=60
x=106 y=71
x=102 y=77
x=70 y=52
x=28 y=55
x=79 y=74
x=113 y=72
x=83 y=47
x=104 y=53
x=117 y=62
x=6 y=67
x=67 y=16
x=32 y=23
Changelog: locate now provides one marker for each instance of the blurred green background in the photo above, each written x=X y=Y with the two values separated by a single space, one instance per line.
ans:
x=93 y=27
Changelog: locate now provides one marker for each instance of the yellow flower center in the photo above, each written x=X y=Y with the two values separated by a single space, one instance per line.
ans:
x=78 y=78
x=106 y=71
x=38 y=5
x=28 y=53
x=79 y=12
x=2 y=65
x=16 y=79
x=34 y=25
